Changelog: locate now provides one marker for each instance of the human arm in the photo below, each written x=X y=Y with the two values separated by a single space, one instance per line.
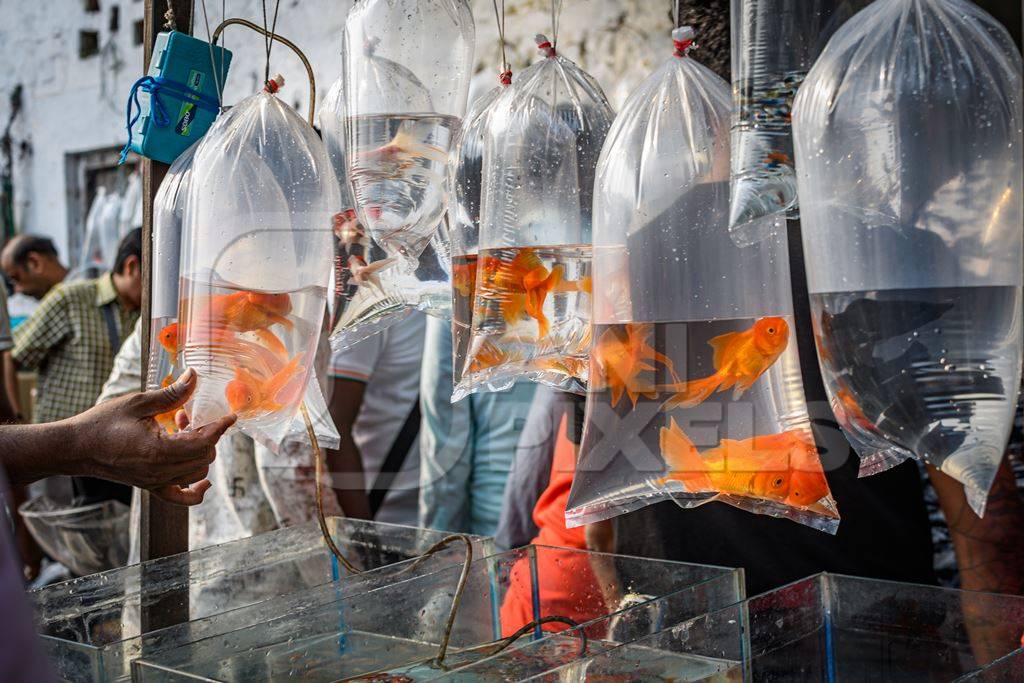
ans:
x=346 y=463
x=989 y=550
x=120 y=441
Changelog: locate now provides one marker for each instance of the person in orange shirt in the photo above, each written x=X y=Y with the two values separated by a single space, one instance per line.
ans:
x=569 y=584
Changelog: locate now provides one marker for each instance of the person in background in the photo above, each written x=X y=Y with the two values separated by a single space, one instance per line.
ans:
x=466 y=448
x=373 y=403
x=71 y=339
x=32 y=265
x=531 y=468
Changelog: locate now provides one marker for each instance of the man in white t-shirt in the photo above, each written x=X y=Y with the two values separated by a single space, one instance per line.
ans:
x=374 y=390
x=375 y=405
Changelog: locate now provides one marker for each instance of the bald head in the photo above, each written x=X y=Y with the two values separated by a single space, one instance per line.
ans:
x=31 y=264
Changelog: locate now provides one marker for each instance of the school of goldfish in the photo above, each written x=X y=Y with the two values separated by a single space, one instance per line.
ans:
x=777 y=467
x=238 y=326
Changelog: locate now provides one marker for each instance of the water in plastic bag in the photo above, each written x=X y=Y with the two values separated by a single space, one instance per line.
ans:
x=256 y=258
x=531 y=314
x=695 y=389
x=774 y=43
x=407 y=65
x=908 y=143
x=168 y=214
x=466 y=186
x=370 y=290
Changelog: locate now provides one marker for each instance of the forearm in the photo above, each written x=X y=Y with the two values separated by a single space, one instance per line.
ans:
x=989 y=550
x=346 y=467
x=32 y=452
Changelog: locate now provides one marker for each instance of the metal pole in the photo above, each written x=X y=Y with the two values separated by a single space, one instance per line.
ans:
x=164 y=527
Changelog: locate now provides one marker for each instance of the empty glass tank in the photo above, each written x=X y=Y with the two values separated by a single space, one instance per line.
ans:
x=93 y=627
x=396 y=630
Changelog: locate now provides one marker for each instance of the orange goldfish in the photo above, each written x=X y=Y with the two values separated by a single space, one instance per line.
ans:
x=846 y=408
x=248 y=393
x=780 y=467
x=523 y=285
x=464 y=275
x=169 y=336
x=404 y=149
x=740 y=358
x=248 y=311
x=622 y=360
x=488 y=355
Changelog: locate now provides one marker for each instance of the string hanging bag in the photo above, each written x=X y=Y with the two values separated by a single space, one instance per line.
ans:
x=695 y=388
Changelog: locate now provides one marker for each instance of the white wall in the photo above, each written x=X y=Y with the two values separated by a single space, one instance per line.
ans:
x=73 y=105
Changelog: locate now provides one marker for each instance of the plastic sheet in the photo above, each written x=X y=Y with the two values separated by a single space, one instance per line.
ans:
x=407 y=66
x=531 y=314
x=695 y=390
x=466 y=186
x=371 y=291
x=256 y=256
x=908 y=142
x=774 y=43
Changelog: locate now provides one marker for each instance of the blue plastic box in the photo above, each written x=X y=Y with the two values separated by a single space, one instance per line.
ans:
x=185 y=76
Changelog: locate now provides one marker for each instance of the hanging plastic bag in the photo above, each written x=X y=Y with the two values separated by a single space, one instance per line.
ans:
x=371 y=291
x=129 y=216
x=695 y=388
x=256 y=256
x=91 y=261
x=531 y=315
x=466 y=185
x=407 y=66
x=168 y=214
x=774 y=43
x=908 y=141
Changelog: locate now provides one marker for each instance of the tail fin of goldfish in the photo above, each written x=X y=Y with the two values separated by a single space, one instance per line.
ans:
x=272 y=342
x=685 y=464
x=274 y=385
x=696 y=391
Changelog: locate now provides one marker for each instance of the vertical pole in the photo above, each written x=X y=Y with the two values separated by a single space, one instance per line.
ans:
x=164 y=527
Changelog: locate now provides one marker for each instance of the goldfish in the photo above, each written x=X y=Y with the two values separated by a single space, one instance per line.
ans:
x=170 y=335
x=166 y=420
x=248 y=311
x=780 y=467
x=464 y=275
x=367 y=273
x=740 y=358
x=522 y=285
x=486 y=356
x=404 y=149
x=621 y=360
x=248 y=393
x=847 y=409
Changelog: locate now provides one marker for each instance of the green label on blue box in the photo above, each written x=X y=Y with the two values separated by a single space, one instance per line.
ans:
x=187 y=113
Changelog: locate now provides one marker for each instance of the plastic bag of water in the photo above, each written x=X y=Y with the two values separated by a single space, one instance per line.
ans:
x=370 y=290
x=695 y=390
x=407 y=67
x=255 y=262
x=908 y=145
x=531 y=310
x=774 y=43
x=466 y=184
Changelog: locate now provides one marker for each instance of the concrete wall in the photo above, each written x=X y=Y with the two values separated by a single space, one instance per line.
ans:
x=73 y=105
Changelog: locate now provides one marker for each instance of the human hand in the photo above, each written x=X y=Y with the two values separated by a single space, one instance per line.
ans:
x=120 y=441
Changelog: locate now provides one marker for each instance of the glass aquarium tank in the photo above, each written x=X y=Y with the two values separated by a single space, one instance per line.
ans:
x=92 y=627
x=403 y=630
x=828 y=628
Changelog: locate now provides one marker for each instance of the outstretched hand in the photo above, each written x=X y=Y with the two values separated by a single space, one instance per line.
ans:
x=121 y=441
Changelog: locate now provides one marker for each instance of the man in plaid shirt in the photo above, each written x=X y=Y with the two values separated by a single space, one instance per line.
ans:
x=71 y=341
